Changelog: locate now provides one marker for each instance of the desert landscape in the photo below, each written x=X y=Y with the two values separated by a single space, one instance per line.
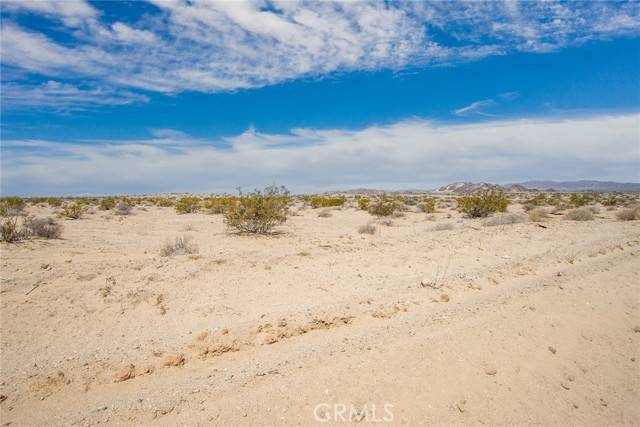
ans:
x=135 y=313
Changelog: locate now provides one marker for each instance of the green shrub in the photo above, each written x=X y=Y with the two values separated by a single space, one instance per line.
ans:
x=218 y=204
x=187 y=204
x=72 y=210
x=579 y=200
x=163 y=202
x=428 y=205
x=258 y=212
x=107 y=203
x=483 y=204
x=54 y=202
x=326 y=202
x=363 y=203
x=11 y=206
x=384 y=206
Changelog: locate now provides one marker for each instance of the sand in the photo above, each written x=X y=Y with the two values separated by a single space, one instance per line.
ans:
x=318 y=324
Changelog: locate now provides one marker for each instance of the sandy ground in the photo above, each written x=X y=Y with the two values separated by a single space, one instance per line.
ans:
x=319 y=325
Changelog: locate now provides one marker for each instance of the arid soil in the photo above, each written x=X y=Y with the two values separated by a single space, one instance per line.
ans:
x=505 y=325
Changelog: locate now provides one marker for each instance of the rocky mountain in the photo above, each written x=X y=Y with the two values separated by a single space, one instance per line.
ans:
x=576 y=186
x=468 y=187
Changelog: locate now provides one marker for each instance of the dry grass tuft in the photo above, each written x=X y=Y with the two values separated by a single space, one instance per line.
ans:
x=538 y=214
x=46 y=228
x=580 y=214
x=181 y=246
x=367 y=229
x=506 y=219
x=629 y=214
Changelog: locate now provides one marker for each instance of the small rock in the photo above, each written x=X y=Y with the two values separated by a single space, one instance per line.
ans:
x=444 y=297
x=462 y=405
x=565 y=386
x=3 y=397
x=174 y=360
x=636 y=329
x=603 y=402
x=125 y=374
x=552 y=349
x=490 y=369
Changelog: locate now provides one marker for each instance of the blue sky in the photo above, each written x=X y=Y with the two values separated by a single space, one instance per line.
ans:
x=135 y=97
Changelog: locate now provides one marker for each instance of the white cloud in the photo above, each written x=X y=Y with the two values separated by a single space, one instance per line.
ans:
x=212 y=46
x=475 y=107
x=410 y=154
x=64 y=96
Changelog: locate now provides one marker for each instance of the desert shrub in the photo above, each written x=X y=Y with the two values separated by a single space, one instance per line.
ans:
x=326 y=202
x=428 y=205
x=383 y=207
x=579 y=200
x=258 y=212
x=610 y=201
x=72 y=210
x=163 y=202
x=218 y=204
x=123 y=208
x=46 y=228
x=11 y=206
x=363 y=203
x=410 y=202
x=9 y=230
x=325 y=213
x=187 y=204
x=443 y=226
x=483 y=204
x=367 y=229
x=54 y=202
x=182 y=245
x=580 y=214
x=594 y=209
x=538 y=214
x=505 y=219
x=107 y=203
x=629 y=214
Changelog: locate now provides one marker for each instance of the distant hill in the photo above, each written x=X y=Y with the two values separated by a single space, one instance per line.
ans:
x=467 y=187
x=577 y=186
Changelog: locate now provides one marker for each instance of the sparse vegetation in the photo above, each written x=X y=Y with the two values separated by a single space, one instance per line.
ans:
x=123 y=208
x=72 y=210
x=428 y=205
x=483 y=204
x=367 y=229
x=218 y=204
x=46 y=228
x=258 y=212
x=505 y=219
x=9 y=229
x=363 y=203
x=580 y=214
x=579 y=200
x=326 y=202
x=11 y=206
x=629 y=214
x=538 y=214
x=107 y=203
x=182 y=245
x=187 y=204
x=325 y=213
x=383 y=207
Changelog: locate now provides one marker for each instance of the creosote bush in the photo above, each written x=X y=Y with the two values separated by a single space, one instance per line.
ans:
x=363 y=203
x=258 y=212
x=580 y=214
x=483 y=204
x=578 y=200
x=326 y=202
x=218 y=204
x=72 y=210
x=107 y=203
x=187 y=204
x=384 y=206
x=428 y=205
x=182 y=245
x=11 y=206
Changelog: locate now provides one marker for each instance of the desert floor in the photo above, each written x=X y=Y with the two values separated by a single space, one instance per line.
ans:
x=504 y=325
